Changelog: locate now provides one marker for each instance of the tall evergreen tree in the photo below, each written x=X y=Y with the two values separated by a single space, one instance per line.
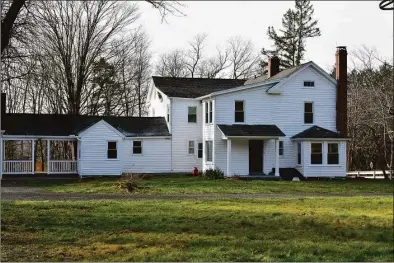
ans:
x=289 y=42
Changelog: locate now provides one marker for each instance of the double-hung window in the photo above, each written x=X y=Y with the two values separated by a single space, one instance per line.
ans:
x=112 y=152
x=239 y=114
x=299 y=153
x=333 y=153
x=281 y=148
x=308 y=112
x=192 y=114
x=209 y=151
x=206 y=112
x=316 y=153
x=137 y=147
x=191 y=147
x=199 y=150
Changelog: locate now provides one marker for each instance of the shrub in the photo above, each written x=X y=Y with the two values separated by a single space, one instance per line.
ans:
x=212 y=174
x=129 y=181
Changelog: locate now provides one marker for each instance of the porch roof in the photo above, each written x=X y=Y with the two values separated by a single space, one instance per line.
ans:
x=244 y=130
x=66 y=125
x=316 y=132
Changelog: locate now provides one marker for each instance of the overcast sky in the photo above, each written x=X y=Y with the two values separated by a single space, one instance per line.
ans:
x=342 y=23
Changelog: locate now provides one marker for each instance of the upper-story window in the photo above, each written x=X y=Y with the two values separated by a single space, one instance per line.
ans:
x=309 y=83
x=308 y=112
x=239 y=111
x=168 y=113
x=192 y=114
x=206 y=113
x=210 y=111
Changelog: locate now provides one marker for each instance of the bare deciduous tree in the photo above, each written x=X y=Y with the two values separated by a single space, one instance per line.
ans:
x=242 y=58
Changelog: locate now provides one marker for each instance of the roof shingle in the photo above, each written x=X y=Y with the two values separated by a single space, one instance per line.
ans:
x=316 y=132
x=251 y=130
x=65 y=125
x=193 y=87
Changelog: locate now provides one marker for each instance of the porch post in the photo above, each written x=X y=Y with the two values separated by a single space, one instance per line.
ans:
x=276 y=157
x=32 y=157
x=48 y=155
x=228 y=157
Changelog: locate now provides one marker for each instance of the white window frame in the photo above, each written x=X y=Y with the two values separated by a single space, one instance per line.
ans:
x=210 y=112
x=308 y=87
x=327 y=153
x=243 y=110
x=283 y=148
x=202 y=149
x=313 y=112
x=206 y=117
x=188 y=109
x=116 y=149
x=207 y=151
x=299 y=152
x=132 y=147
x=322 y=154
x=189 y=148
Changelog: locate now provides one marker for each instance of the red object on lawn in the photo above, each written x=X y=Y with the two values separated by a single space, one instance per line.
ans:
x=195 y=171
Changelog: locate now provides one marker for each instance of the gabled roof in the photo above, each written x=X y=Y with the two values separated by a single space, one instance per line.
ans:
x=243 y=130
x=66 y=125
x=316 y=132
x=193 y=87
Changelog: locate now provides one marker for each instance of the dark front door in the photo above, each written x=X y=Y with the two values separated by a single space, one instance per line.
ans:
x=256 y=156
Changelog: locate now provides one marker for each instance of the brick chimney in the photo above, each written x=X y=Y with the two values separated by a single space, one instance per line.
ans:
x=273 y=66
x=341 y=76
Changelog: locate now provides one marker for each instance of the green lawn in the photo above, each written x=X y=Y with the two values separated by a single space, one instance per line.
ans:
x=182 y=184
x=300 y=229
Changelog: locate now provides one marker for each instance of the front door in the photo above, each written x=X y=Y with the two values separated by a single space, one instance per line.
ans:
x=256 y=156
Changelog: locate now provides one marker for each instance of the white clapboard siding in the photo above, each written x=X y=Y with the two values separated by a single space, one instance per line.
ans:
x=183 y=132
x=155 y=157
x=94 y=143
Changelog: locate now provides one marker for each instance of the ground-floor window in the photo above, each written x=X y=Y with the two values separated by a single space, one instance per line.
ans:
x=280 y=147
x=316 y=153
x=191 y=147
x=209 y=151
x=299 y=153
x=199 y=153
x=112 y=152
x=137 y=147
x=333 y=153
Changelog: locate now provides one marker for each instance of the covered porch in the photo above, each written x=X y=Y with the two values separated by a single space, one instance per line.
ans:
x=39 y=155
x=252 y=150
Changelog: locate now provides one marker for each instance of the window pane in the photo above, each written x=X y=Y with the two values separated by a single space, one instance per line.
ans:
x=192 y=118
x=137 y=143
x=299 y=153
x=239 y=106
x=239 y=117
x=112 y=154
x=332 y=158
x=206 y=112
x=308 y=107
x=191 y=147
x=316 y=147
x=316 y=158
x=333 y=147
x=209 y=151
x=199 y=150
x=308 y=117
x=112 y=145
x=192 y=110
x=137 y=150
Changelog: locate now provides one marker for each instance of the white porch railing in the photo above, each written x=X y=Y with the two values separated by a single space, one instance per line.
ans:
x=370 y=174
x=62 y=167
x=17 y=167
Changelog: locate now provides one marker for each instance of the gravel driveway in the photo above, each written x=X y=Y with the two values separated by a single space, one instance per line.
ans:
x=36 y=194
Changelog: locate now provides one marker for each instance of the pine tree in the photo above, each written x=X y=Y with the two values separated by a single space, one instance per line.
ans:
x=289 y=42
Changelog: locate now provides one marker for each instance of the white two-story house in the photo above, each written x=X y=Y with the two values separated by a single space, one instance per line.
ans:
x=291 y=121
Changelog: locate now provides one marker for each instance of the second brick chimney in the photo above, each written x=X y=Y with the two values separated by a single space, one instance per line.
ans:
x=341 y=76
x=273 y=66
